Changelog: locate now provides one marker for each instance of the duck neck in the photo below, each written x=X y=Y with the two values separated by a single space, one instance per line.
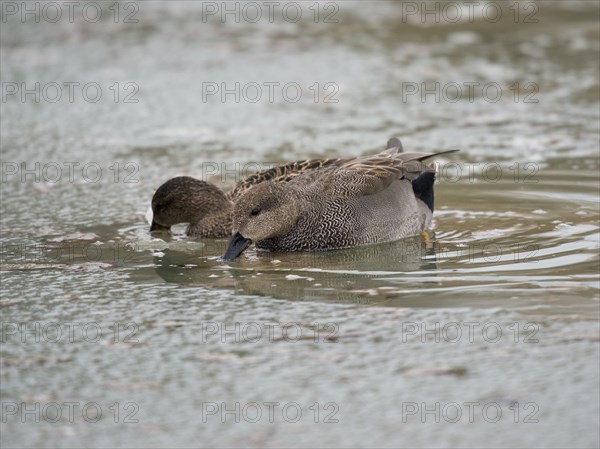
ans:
x=213 y=225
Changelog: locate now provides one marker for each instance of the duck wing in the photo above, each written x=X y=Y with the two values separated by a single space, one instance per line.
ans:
x=282 y=173
x=371 y=174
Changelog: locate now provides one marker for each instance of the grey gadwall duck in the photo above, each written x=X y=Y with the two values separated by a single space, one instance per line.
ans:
x=207 y=208
x=364 y=200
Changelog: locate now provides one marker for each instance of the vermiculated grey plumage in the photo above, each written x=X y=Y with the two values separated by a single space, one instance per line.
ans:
x=361 y=201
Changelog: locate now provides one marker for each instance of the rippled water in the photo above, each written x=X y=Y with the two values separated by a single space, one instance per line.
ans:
x=498 y=307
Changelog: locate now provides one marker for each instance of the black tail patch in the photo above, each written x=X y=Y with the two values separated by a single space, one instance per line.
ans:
x=423 y=188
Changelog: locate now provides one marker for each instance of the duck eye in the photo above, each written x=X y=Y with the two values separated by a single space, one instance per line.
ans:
x=254 y=212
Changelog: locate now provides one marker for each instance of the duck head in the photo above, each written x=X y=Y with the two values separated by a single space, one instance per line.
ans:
x=185 y=200
x=268 y=210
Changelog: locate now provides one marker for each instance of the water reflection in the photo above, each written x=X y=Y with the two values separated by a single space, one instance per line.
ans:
x=343 y=275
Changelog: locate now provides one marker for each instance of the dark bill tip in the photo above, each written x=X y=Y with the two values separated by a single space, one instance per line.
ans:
x=155 y=227
x=236 y=246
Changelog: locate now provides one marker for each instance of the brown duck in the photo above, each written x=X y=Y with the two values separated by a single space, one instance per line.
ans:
x=207 y=208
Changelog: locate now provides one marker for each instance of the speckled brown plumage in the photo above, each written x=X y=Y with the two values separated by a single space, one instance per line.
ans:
x=282 y=173
x=206 y=208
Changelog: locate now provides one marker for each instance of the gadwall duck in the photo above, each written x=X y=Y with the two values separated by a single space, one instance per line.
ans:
x=364 y=200
x=207 y=208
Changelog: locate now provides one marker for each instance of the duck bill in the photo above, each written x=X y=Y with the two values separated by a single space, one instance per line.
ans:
x=155 y=227
x=236 y=246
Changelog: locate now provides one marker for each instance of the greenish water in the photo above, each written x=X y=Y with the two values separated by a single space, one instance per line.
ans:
x=495 y=317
